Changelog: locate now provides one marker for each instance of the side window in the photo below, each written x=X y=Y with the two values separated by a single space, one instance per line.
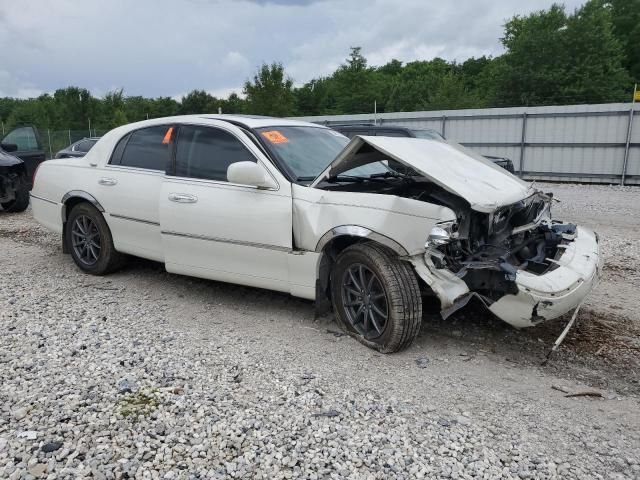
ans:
x=23 y=137
x=205 y=152
x=145 y=148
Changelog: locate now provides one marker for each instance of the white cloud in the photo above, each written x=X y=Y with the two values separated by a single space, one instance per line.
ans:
x=159 y=47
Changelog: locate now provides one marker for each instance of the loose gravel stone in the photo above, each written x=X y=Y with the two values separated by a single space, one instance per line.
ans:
x=147 y=375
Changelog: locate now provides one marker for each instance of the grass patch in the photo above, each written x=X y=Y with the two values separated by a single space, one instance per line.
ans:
x=139 y=403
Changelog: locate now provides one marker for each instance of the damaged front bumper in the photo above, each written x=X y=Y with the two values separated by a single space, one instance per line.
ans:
x=550 y=295
x=539 y=297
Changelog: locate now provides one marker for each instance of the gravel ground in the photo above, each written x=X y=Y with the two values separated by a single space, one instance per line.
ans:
x=143 y=374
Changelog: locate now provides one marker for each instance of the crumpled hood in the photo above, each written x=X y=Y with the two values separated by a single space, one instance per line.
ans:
x=456 y=169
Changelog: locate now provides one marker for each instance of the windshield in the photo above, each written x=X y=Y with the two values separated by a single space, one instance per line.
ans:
x=428 y=134
x=307 y=151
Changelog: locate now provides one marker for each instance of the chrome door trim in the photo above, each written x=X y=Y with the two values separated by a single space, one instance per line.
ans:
x=133 y=219
x=43 y=199
x=228 y=240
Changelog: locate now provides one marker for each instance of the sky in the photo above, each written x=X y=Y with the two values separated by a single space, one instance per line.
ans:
x=171 y=47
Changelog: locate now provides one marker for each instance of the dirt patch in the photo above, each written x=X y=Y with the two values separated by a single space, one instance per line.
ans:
x=602 y=350
x=609 y=336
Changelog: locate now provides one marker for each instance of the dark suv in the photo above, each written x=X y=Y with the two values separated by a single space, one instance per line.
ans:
x=20 y=154
x=351 y=130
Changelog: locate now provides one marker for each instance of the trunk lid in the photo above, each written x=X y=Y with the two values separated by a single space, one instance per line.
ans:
x=460 y=171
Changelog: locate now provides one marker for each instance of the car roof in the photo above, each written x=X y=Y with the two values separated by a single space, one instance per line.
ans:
x=368 y=126
x=249 y=121
x=258 y=121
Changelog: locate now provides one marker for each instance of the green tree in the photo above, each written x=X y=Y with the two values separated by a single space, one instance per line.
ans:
x=355 y=86
x=596 y=73
x=119 y=118
x=271 y=92
x=536 y=59
x=625 y=16
x=554 y=58
x=233 y=104
x=199 y=101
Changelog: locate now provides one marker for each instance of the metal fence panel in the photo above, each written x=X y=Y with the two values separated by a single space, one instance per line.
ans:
x=570 y=143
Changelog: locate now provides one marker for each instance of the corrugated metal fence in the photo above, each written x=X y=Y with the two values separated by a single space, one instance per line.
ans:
x=580 y=143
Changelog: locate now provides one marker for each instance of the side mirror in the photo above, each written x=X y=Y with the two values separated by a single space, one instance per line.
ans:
x=9 y=147
x=250 y=173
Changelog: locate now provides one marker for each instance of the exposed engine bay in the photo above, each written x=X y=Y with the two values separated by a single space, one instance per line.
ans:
x=486 y=250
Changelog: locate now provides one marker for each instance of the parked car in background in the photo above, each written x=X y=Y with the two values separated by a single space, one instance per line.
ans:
x=28 y=147
x=299 y=208
x=351 y=130
x=14 y=184
x=77 y=149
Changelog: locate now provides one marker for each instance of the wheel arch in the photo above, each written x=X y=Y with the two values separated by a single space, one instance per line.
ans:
x=360 y=233
x=335 y=241
x=70 y=200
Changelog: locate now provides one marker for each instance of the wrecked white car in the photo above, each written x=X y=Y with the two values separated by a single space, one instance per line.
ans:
x=373 y=227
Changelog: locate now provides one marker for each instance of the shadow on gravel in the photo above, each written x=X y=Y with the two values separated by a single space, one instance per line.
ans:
x=602 y=350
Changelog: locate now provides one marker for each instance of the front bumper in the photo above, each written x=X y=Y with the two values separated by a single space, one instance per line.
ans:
x=550 y=295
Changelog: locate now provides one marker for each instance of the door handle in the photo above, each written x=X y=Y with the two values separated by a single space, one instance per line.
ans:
x=107 y=181
x=183 y=198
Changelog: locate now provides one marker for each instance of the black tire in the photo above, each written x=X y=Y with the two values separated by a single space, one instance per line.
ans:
x=393 y=278
x=21 y=202
x=95 y=253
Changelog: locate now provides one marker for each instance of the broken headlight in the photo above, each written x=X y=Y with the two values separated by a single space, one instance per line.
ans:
x=441 y=234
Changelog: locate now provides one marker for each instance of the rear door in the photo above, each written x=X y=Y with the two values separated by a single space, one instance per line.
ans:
x=128 y=188
x=215 y=229
x=27 y=139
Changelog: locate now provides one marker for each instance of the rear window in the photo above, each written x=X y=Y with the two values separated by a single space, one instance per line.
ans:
x=144 y=148
x=85 y=146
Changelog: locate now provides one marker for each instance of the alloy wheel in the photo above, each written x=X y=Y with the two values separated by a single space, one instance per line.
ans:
x=85 y=239
x=364 y=301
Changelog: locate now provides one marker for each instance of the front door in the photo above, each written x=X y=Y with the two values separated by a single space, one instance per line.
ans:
x=215 y=229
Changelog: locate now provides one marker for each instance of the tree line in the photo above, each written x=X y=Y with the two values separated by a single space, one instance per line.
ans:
x=552 y=56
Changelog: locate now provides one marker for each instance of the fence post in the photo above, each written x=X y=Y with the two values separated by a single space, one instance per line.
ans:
x=626 y=146
x=443 y=127
x=522 y=141
x=49 y=136
x=69 y=132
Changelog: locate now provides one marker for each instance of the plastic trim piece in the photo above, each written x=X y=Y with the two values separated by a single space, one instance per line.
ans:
x=79 y=193
x=362 y=232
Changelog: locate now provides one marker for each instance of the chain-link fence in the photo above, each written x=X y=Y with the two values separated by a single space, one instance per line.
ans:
x=55 y=140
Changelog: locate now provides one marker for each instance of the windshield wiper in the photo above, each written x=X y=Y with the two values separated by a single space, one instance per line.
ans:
x=305 y=179
x=346 y=178
x=389 y=174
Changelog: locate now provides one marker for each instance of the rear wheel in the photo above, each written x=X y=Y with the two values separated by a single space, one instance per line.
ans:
x=89 y=241
x=21 y=202
x=376 y=297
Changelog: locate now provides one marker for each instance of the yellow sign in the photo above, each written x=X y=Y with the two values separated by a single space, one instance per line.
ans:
x=636 y=95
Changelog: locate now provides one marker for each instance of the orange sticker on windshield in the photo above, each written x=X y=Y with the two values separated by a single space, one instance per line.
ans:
x=274 y=136
x=167 y=136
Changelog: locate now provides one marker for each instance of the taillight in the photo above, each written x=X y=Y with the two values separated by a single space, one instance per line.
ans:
x=33 y=180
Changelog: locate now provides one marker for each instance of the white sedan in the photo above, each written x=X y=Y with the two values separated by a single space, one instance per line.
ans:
x=372 y=227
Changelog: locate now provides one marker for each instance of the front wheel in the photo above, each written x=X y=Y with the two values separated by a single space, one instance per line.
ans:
x=376 y=297
x=89 y=240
